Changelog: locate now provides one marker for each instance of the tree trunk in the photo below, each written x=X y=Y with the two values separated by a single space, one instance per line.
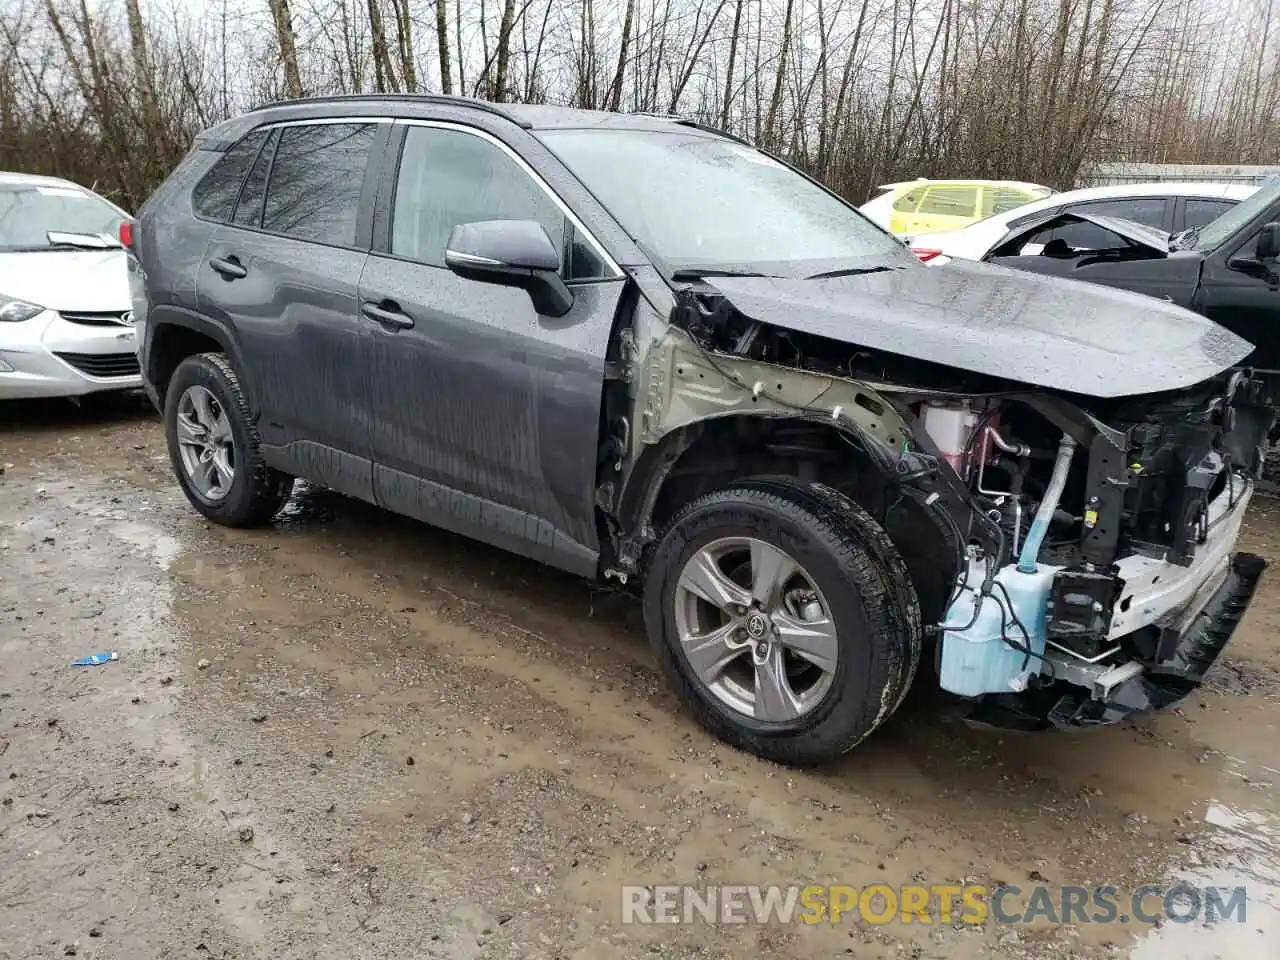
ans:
x=498 y=89
x=384 y=75
x=457 y=37
x=775 y=102
x=288 y=47
x=442 y=37
x=613 y=99
x=404 y=44
x=728 y=79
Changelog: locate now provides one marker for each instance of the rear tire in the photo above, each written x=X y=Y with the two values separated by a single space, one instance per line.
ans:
x=863 y=594
x=219 y=463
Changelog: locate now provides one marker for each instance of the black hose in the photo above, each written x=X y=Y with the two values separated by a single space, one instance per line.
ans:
x=1024 y=649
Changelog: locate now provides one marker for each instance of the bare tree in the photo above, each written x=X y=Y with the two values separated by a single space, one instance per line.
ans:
x=856 y=92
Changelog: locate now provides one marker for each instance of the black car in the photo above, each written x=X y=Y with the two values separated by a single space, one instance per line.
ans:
x=632 y=347
x=1226 y=270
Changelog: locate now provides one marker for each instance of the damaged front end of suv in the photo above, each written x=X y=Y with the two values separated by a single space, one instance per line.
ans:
x=1064 y=475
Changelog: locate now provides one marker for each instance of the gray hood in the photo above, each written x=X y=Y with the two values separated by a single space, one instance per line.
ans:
x=1037 y=330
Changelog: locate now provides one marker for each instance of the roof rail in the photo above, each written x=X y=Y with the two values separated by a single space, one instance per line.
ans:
x=440 y=98
x=696 y=124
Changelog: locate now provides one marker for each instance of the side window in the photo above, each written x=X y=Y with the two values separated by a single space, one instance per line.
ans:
x=1146 y=210
x=316 y=180
x=1070 y=238
x=249 y=209
x=1088 y=236
x=950 y=201
x=449 y=177
x=1002 y=200
x=1199 y=212
x=214 y=197
x=908 y=202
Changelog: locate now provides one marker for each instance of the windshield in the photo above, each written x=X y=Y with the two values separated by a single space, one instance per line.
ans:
x=1217 y=232
x=694 y=201
x=29 y=213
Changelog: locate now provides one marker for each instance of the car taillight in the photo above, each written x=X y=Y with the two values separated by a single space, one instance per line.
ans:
x=126 y=234
x=924 y=254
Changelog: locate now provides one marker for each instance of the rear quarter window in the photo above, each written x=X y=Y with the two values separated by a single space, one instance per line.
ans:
x=214 y=196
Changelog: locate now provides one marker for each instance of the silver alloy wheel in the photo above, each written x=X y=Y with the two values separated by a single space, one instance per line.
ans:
x=205 y=443
x=756 y=629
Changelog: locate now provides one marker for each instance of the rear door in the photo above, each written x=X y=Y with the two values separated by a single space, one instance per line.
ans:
x=286 y=272
x=486 y=415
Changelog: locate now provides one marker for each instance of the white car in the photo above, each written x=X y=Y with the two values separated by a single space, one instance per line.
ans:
x=1170 y=207
x=66 y=320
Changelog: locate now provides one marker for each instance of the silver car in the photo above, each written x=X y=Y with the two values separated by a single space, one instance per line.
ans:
x=66 y=324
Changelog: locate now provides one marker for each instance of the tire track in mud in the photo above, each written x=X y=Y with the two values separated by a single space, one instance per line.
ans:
x=550 y=764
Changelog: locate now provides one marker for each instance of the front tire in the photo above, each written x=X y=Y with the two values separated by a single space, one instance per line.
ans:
x=214 y=445
x=784 y=618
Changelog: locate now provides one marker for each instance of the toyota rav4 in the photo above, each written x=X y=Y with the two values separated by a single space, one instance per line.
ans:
x=635 y=348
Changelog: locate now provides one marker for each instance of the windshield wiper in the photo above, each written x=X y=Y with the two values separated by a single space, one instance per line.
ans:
x=83 y=241
x=697 y=273
x=851 y=272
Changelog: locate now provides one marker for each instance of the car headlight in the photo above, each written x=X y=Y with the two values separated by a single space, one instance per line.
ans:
x=15 y=311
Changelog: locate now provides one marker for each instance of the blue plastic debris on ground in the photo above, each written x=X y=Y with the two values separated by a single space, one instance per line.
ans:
x=95 y=659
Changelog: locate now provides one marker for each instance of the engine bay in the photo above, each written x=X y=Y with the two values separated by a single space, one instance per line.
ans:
x=1056 y=499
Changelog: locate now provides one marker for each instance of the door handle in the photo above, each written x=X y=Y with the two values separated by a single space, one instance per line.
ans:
x=230 y=268
x=387 y=313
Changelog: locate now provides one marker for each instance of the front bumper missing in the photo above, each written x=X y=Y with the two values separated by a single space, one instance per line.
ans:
x=1096 y=694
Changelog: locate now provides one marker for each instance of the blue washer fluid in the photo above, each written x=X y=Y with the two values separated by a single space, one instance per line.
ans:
x=975 y=659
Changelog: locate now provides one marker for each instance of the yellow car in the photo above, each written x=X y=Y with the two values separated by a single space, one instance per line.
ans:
x=932 y=206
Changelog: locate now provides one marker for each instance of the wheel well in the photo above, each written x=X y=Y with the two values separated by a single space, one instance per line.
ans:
x=733 y=448
x=171 y=344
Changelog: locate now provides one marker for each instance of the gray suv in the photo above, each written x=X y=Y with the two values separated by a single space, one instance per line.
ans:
x=636 y=348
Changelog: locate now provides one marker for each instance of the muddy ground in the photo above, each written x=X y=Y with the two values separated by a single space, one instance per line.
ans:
x=354 y=736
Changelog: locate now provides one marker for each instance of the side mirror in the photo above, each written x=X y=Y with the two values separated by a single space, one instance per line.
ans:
x=511 y=253
x=1269 y=243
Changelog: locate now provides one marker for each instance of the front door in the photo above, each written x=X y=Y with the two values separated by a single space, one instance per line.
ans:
x=486 y=415
x=285 y=272
x=1243 y=295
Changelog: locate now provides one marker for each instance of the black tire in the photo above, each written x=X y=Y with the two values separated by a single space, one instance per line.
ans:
x=257 y=491
x=869 y=592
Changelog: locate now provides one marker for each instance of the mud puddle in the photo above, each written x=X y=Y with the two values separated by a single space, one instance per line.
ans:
x=358 y=736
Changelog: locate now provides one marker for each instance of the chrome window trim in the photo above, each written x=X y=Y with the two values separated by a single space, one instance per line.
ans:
x=320 y=121
x=532 y=173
